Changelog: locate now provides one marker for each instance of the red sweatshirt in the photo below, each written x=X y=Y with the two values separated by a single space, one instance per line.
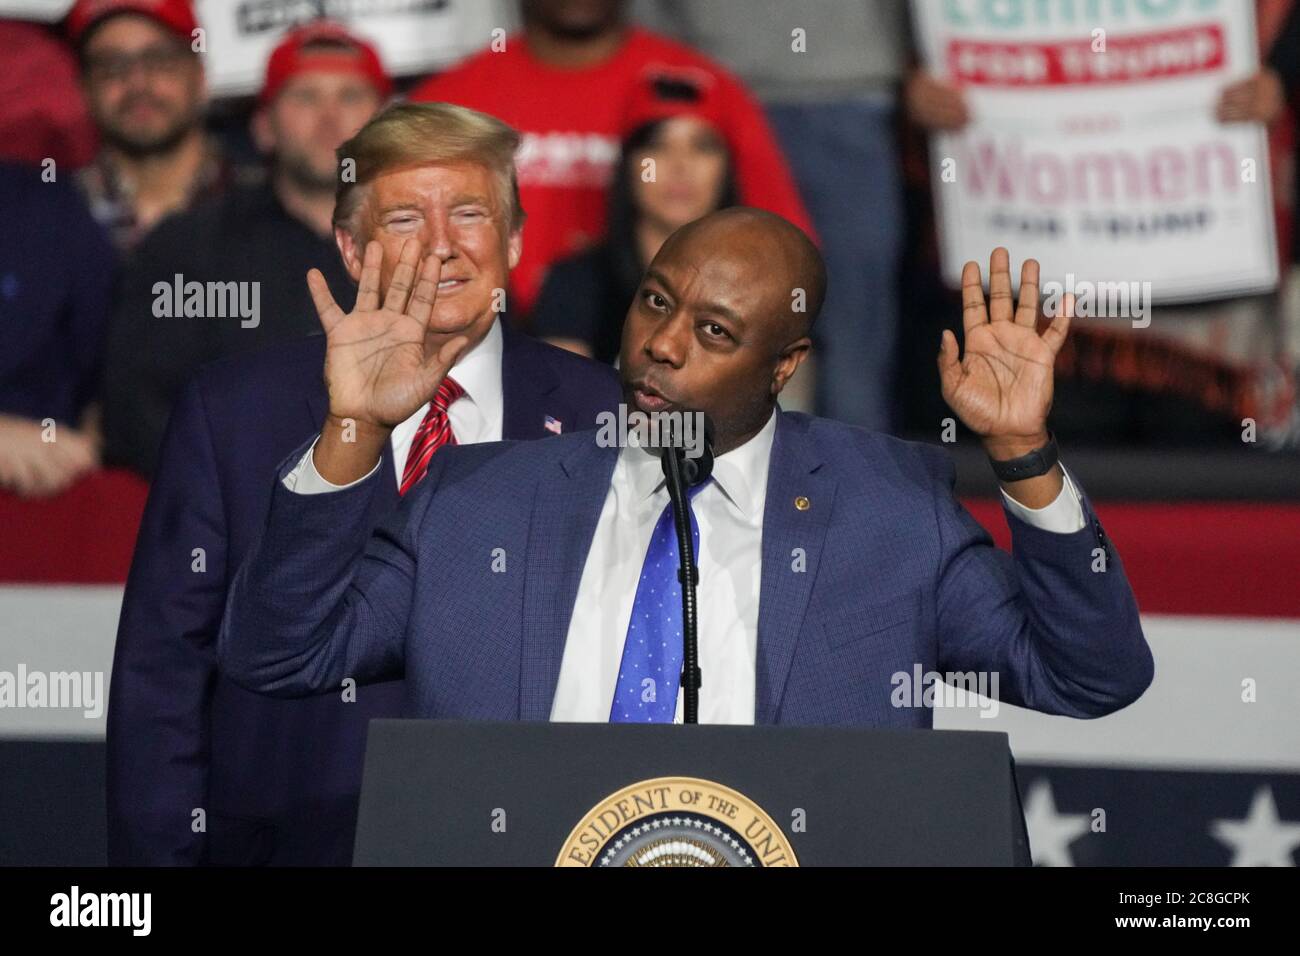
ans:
x=571 y=121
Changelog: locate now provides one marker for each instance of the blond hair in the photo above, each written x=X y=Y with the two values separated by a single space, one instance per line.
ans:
x=419 y=134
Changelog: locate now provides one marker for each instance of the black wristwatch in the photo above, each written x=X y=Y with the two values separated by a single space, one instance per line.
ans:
x=1038 y=462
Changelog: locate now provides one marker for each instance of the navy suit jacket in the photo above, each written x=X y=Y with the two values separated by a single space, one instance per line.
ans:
x=897 y=574
x=277 y=781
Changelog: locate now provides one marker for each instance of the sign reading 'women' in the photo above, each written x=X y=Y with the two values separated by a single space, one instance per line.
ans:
x=1093 y=143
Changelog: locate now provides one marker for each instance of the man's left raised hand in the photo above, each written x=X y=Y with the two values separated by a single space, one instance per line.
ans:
x=1002 y=387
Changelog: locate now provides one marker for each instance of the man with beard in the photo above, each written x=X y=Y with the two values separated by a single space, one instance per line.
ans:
x=145 y=87
x=322 y=85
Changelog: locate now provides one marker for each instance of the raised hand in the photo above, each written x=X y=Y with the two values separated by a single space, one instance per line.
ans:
x=379 y=368
x=1002 y=387
x=933 y=103
x=1260 y=98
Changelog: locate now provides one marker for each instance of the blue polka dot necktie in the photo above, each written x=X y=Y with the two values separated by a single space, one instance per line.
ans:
x=651 y=671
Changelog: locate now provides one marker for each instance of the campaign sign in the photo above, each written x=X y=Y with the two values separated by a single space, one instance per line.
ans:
x=1093 y=144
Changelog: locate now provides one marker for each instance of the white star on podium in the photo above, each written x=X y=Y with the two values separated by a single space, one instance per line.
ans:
x=1261 y=839
x=1051 y=833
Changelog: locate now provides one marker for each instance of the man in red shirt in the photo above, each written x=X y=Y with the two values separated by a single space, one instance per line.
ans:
x=563 y=83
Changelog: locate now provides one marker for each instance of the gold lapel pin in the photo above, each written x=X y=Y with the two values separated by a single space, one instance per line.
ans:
x=802 y=503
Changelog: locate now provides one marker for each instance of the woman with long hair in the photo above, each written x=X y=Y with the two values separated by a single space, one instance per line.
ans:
x=675 y=167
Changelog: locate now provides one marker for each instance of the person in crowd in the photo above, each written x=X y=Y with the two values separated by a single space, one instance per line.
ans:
x=829 y=76
x=564 y=83
x=1264 y=99
x=1200 y=369
x=144 y=84
x=675 y=167
x=43 y=115
x=322 y=84
x=278 y=781
x=56 y=282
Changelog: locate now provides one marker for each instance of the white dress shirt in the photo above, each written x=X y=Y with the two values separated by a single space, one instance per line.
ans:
x=729 y=511
x=477 y=416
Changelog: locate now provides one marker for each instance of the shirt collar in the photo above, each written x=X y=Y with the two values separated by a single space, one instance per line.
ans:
x=741 y=473
x=478 y=372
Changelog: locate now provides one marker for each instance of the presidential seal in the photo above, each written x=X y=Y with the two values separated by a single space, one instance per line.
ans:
x=676 y=821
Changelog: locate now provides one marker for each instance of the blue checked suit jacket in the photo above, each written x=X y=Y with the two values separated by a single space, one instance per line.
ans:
x=897 y=574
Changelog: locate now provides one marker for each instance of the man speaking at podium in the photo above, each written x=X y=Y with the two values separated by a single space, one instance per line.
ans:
x=537 y=581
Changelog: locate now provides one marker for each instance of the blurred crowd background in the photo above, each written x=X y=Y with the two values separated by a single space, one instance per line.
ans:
x=125 y=164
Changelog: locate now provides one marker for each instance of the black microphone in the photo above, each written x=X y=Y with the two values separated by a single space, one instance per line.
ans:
x=696 y=471
x=684 y=470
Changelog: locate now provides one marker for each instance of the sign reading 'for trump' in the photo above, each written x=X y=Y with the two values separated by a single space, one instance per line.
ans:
x=1093 y=141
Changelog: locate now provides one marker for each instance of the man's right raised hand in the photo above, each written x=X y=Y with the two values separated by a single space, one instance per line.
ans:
x=379 y=365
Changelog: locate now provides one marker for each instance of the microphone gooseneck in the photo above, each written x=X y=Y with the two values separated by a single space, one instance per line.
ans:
x=683 y=472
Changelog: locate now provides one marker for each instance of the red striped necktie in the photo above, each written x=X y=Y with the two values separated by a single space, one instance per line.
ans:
x=434 y=432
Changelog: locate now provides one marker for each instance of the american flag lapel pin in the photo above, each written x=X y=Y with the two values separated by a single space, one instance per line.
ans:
x=554 y=425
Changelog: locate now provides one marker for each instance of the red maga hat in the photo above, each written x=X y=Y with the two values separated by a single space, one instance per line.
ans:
x=662 y=92
x=292 y=56
x=176 y=15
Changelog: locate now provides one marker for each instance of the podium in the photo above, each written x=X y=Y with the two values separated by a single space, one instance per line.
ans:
x=460 y=793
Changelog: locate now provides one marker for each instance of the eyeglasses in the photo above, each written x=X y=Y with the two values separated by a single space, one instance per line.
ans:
x=156 y=60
